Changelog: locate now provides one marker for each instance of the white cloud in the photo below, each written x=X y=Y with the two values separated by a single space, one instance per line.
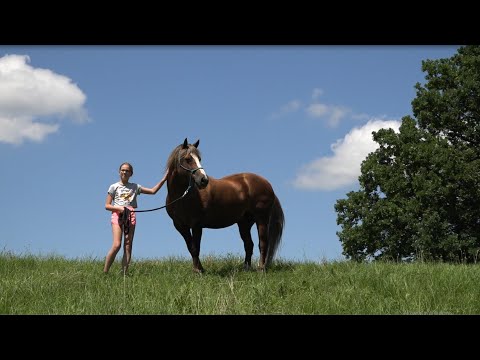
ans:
x=343 y=168
x=16 y=130
x=27 y=94
x=290 y=107
x=317 y=110
x=333 y=114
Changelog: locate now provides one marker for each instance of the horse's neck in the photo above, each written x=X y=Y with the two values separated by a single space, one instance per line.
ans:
x=178 y=184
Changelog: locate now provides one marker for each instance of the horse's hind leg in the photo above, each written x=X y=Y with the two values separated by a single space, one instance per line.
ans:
x=262 y=228
x=244 y=227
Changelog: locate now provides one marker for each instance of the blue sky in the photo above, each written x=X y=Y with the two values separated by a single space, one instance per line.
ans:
x=301 y=116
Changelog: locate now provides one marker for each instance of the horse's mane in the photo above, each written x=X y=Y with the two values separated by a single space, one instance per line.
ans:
x=172 y=161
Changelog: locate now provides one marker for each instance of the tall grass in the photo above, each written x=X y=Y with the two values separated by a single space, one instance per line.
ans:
x=54 y=285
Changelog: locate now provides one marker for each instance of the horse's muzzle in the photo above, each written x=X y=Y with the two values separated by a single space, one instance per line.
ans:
x=202 y=184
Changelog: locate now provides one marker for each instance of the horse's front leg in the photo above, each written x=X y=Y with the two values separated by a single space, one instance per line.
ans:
x=192 y=245
x=195 y=250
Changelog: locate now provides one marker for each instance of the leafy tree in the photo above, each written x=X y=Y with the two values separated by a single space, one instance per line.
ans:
x=419 y=194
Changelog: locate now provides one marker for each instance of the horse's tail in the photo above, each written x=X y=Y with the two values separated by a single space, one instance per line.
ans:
x=275 y=230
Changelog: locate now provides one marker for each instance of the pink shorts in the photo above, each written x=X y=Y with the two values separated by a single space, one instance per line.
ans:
x=133 y=218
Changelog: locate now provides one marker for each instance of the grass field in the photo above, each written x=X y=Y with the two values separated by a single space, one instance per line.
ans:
x=54 y=285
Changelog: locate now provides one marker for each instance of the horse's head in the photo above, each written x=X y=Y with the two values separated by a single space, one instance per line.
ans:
x=189 y=160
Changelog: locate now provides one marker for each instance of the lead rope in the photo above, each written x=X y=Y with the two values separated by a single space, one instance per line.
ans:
x=185 y=193
x=126 y=217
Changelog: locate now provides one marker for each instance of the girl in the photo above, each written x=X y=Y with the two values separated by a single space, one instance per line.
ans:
x=121 y=195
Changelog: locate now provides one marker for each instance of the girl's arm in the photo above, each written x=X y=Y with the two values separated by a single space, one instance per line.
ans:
x=110 y=207
x=157 y=187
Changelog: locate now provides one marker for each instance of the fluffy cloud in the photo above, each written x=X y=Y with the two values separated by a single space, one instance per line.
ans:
x=30 y=95
x=343 y=167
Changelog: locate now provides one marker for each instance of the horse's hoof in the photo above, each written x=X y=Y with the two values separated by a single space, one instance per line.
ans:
x=198 y=271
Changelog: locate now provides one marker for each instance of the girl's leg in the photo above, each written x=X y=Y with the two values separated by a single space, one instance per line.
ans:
x=127 y=249
x=117 y=243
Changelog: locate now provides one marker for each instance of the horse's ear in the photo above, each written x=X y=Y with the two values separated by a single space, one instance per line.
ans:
x=196 y=144
x=185 y=143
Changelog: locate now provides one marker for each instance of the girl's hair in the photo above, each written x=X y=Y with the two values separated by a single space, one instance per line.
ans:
x=129 y=165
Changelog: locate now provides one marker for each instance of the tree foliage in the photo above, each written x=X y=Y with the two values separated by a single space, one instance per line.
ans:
x=419 y=194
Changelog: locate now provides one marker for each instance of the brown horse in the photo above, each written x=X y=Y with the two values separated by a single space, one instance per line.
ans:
x=196 y=201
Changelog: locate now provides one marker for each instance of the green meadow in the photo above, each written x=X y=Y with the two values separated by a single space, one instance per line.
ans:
x=54 y=285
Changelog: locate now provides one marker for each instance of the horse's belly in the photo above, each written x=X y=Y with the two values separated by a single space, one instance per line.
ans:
x=218 y=224
x=222 y=220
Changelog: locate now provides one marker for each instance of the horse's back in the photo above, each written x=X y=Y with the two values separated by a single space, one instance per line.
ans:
x=249 y=183
x=249 y=179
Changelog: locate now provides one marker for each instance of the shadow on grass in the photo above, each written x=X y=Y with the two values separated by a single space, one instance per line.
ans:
x=231 y=267
x=225 y=266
